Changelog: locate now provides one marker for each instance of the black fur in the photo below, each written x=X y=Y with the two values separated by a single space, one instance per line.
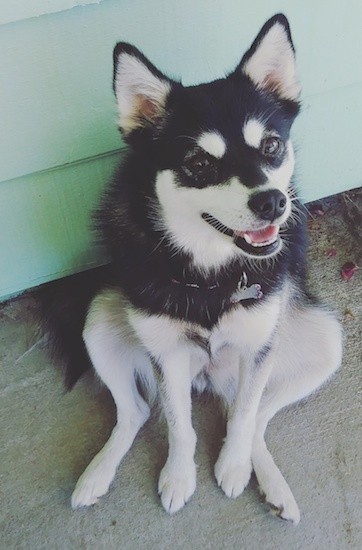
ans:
x=63 y=308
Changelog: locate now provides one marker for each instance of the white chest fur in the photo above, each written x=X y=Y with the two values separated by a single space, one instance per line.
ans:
x=245 y=329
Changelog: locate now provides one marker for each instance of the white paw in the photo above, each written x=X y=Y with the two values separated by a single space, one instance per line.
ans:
x=281 y=500
x=92 y=484
x=232 y=475
x=176 y=486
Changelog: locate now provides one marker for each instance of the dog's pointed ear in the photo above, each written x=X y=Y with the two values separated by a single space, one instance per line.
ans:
x=141 y=90
x=270 y=62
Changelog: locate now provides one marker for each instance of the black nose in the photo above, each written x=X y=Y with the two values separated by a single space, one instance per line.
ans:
x=268 y=205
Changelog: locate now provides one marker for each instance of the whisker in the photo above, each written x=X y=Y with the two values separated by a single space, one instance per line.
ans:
x=191 y=138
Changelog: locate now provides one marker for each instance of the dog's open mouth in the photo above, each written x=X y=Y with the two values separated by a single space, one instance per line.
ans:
x=263 y=242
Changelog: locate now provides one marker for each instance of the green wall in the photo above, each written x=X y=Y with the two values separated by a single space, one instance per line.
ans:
x=58 y=139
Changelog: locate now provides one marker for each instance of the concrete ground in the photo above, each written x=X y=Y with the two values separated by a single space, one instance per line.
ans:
x=49 y=436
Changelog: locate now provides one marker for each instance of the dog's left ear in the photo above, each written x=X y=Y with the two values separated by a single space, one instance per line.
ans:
x=270 y=62
x=141 y=90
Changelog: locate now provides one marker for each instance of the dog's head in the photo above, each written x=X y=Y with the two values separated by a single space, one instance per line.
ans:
x=221 y=151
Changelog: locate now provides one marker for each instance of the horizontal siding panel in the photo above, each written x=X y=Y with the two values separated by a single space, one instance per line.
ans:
x=45 y=224
x=329 y=143
x=17 y=10
x=55 y=95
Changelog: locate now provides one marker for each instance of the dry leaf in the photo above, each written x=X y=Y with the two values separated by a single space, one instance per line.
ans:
x=348 y=270
x=349 y=315
x=316 y=210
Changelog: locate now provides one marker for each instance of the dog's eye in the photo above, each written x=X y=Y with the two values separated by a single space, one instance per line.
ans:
x=271 y=146
x=199 y=166
x=197 y=163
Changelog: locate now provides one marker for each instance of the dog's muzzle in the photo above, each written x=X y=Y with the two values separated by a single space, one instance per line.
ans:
x=267 y=206
x=262 y=243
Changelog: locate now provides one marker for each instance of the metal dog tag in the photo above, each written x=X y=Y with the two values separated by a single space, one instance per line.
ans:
x=245 y=292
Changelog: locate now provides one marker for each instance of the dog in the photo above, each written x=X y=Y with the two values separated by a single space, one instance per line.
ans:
x=205 y=289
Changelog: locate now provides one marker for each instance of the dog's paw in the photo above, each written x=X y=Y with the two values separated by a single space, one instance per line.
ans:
x=281 y=501
x=92 y=484
x=232 y=475
x=176 y=486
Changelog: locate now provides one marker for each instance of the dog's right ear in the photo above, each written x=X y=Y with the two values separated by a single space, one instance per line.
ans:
x=141 y=90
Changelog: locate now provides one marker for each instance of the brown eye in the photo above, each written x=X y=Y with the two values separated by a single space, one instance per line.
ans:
x=197 y=164
x=271 y=146
x=200 y=169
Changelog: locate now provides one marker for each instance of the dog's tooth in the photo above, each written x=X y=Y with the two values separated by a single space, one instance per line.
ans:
x=258 y=245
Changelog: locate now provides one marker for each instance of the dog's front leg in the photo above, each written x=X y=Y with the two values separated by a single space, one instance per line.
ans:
x=233 y=467
x=177 y=481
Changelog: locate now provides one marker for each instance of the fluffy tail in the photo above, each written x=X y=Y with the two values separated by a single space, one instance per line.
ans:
x=63 y=310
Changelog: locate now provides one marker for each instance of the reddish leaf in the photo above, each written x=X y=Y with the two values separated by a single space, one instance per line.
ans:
x=316 y=209
x=348 y=270
x=331 y=253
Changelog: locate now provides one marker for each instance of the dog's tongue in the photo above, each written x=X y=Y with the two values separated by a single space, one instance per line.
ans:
x=264 y=235
x=261 y=236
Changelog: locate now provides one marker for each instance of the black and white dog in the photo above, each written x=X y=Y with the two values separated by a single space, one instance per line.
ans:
x=206 y=285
